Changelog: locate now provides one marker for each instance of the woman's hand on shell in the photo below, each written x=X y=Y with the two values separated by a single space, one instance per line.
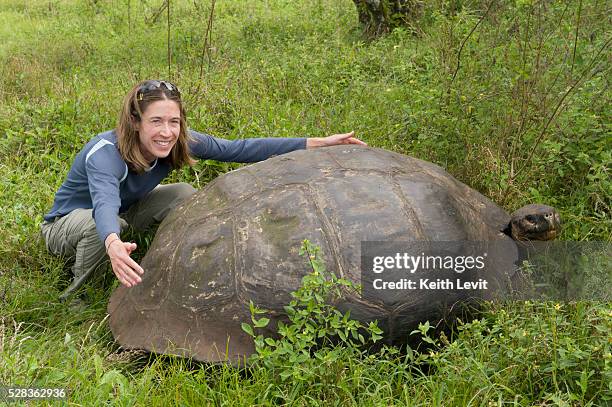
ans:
x=333 y=140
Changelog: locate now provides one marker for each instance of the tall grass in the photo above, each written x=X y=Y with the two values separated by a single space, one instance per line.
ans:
x=511 y=97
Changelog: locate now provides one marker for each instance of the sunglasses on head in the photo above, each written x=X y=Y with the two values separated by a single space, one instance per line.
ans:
x=149 y=86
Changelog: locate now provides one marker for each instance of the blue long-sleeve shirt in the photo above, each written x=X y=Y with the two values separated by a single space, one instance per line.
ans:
x=99 y=178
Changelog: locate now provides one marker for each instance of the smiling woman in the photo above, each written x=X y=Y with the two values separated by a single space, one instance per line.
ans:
x=114 y=180
x=152 y=125
x=159 y=129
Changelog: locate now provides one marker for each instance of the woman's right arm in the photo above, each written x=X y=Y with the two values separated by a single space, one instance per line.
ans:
x=105 y=170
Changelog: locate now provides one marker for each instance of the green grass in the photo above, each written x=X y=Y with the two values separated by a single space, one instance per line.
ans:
x=294 y=68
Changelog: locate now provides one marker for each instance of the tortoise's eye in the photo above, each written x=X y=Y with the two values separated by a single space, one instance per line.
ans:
x=530 y=219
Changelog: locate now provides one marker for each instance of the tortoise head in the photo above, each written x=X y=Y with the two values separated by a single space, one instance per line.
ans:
x=535 y=222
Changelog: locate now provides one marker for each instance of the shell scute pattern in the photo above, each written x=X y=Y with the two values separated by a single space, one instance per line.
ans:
x=237 y=240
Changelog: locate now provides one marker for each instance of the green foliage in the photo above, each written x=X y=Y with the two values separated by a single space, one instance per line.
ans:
x=318 y=339
x=518 y=109
x=553 y=352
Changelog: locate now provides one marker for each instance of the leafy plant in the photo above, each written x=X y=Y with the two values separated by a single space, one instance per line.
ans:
x=317 y=340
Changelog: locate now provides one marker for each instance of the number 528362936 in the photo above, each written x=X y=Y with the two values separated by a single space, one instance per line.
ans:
x=15 y=393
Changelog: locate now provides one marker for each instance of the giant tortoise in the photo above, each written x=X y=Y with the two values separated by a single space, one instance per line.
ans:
x=238 y=240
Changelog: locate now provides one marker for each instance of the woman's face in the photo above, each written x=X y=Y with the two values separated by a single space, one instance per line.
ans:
x=158 y=129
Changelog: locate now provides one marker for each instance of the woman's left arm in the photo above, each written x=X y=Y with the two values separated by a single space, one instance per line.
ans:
x=204 y=146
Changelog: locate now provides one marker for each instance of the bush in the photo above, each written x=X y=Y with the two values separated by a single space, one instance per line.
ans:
x=316 y=343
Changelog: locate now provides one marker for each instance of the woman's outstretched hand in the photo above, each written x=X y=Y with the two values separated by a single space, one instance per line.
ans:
x=333 y=140
x=128 y=272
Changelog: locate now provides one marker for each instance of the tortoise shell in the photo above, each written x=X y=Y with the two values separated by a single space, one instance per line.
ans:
x=238 y=239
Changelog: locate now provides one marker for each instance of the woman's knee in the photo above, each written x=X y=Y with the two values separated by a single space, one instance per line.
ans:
x=179 y=192
x=64 y=234
x=183 y=190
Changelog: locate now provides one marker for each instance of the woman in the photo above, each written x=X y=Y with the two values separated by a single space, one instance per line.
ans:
x=114 y=180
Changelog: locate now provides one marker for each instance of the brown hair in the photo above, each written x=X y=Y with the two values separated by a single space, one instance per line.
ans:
x=134 y=104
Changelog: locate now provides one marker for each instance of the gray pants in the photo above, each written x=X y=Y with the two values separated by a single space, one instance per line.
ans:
x=74 y=235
